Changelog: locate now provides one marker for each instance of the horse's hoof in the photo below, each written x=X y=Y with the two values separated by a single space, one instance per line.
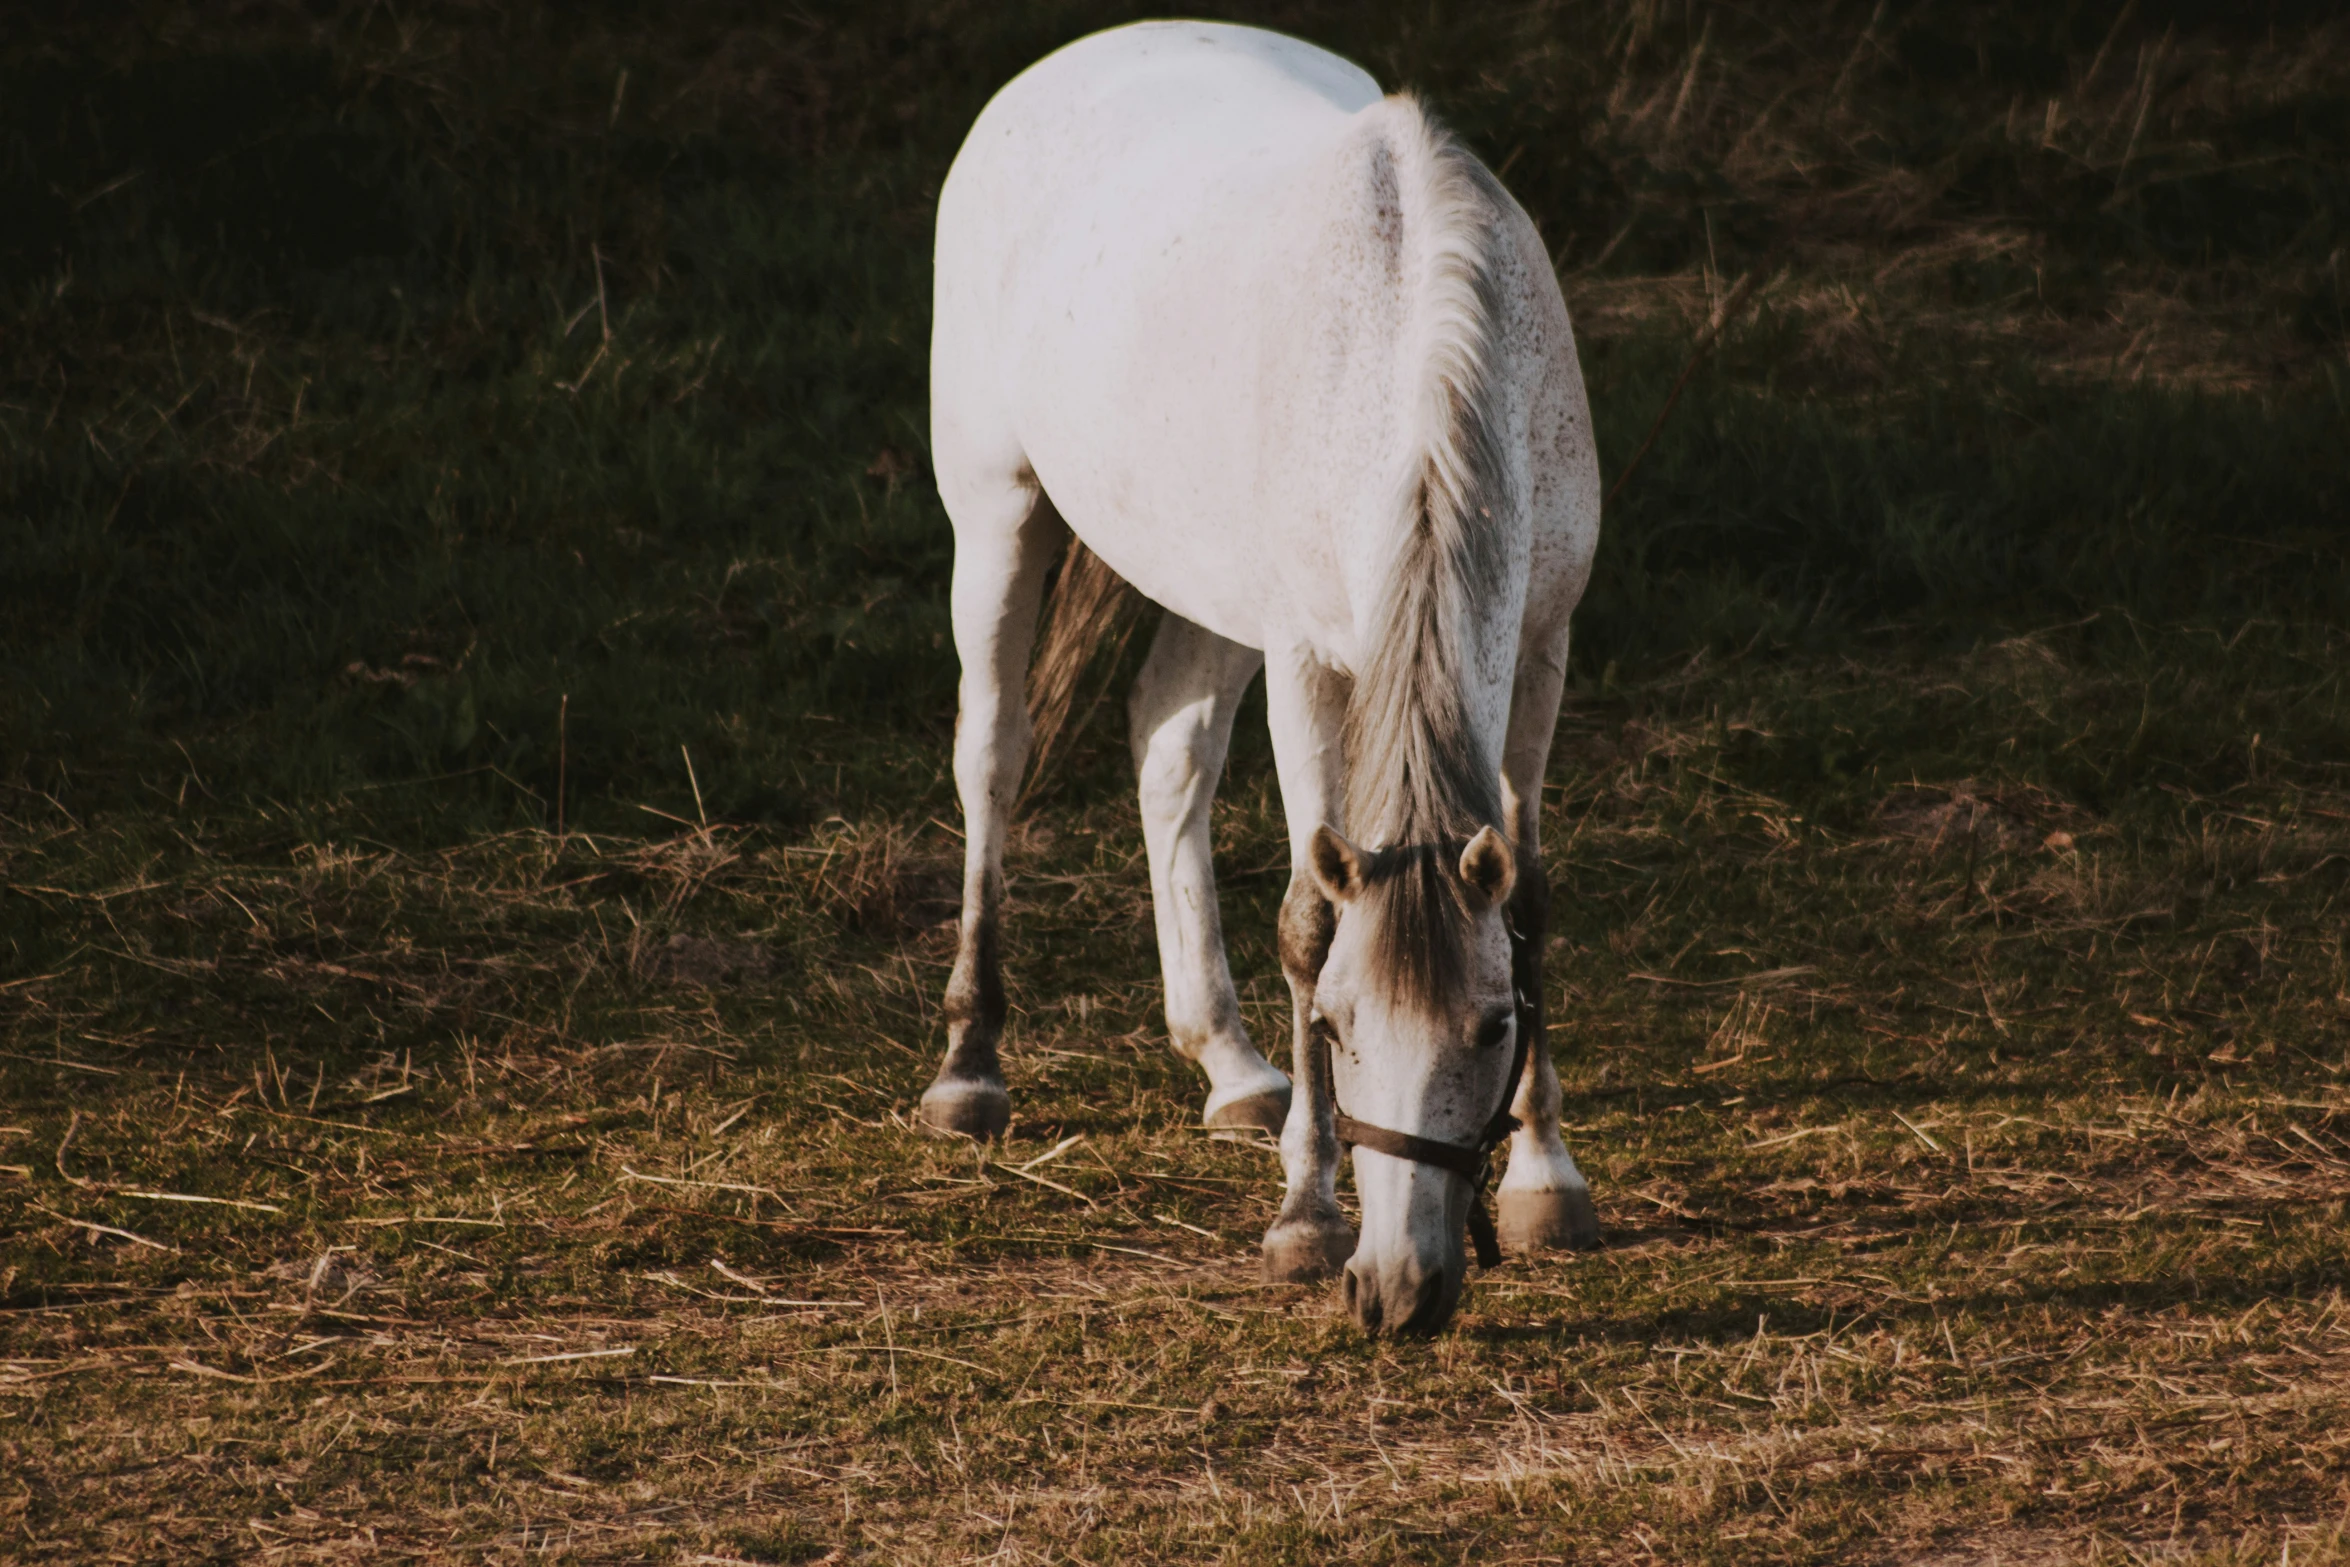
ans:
x=1560 y=1219
x=974 y=1107
x=1303 y=1251
x=1258 y=1112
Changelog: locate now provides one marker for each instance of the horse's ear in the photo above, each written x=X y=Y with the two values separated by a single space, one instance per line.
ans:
x=1488 y=869
x=1338 y=865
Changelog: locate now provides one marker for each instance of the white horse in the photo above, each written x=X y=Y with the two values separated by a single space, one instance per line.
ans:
x=1292 y=363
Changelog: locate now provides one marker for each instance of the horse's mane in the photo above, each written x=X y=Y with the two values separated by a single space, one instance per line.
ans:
x=1418 y=782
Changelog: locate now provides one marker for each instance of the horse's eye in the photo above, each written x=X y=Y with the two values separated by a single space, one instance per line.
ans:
x=1494 y=1032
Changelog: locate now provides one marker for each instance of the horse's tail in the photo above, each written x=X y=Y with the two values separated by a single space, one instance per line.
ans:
x=1414 y=769
x=1091 y=609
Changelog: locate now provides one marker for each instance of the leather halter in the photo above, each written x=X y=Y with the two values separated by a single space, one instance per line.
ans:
x=1472 y=1161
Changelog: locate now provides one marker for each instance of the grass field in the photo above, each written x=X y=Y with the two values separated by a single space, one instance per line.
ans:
x=477 y=867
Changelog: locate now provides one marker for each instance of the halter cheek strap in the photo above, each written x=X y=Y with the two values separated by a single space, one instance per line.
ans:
x=1473 y=1162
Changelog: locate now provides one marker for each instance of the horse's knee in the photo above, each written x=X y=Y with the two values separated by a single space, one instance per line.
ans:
x=1307 y=924
x=991 y=739
x=1177 y=764
x=1172 y=766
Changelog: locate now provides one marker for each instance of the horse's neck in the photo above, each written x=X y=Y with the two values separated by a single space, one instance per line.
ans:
x=1422 y=741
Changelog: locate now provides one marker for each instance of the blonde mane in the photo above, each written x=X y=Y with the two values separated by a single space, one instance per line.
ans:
x=1418 y=783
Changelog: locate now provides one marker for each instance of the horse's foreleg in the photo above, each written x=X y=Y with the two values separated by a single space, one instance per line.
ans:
x=1310 y=1238
x=1181 y=720
x=1543 y=1200
x=1003 y=544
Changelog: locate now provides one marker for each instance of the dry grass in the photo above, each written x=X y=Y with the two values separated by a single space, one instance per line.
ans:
x=1965 y=1203
x=1952 y=1022
x=1786 y=150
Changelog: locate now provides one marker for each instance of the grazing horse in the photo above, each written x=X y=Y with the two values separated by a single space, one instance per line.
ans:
x=1289 y=361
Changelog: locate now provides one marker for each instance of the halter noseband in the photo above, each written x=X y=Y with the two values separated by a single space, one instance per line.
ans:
x=1474 y=1162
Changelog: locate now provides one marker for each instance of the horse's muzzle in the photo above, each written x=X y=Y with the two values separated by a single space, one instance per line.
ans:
x=1402 y=1295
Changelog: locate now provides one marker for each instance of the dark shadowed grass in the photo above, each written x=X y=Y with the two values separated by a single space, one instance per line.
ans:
x=477 y=867
x=378 y=383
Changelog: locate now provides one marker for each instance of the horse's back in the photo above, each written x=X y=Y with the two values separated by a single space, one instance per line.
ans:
x=1181 y=69
x=1100 y=107
x=1142 y=129
x=1170 y=289
x=1101 y=320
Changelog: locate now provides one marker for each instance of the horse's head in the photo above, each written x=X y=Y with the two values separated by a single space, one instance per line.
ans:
x=1417 y=1001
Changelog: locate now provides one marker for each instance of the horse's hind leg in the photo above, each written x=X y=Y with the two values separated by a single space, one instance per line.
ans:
x=1181 y=720
x=1543 y=1200
x=1005 y=535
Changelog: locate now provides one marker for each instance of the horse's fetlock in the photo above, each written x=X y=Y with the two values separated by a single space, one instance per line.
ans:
x=970 y=1002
